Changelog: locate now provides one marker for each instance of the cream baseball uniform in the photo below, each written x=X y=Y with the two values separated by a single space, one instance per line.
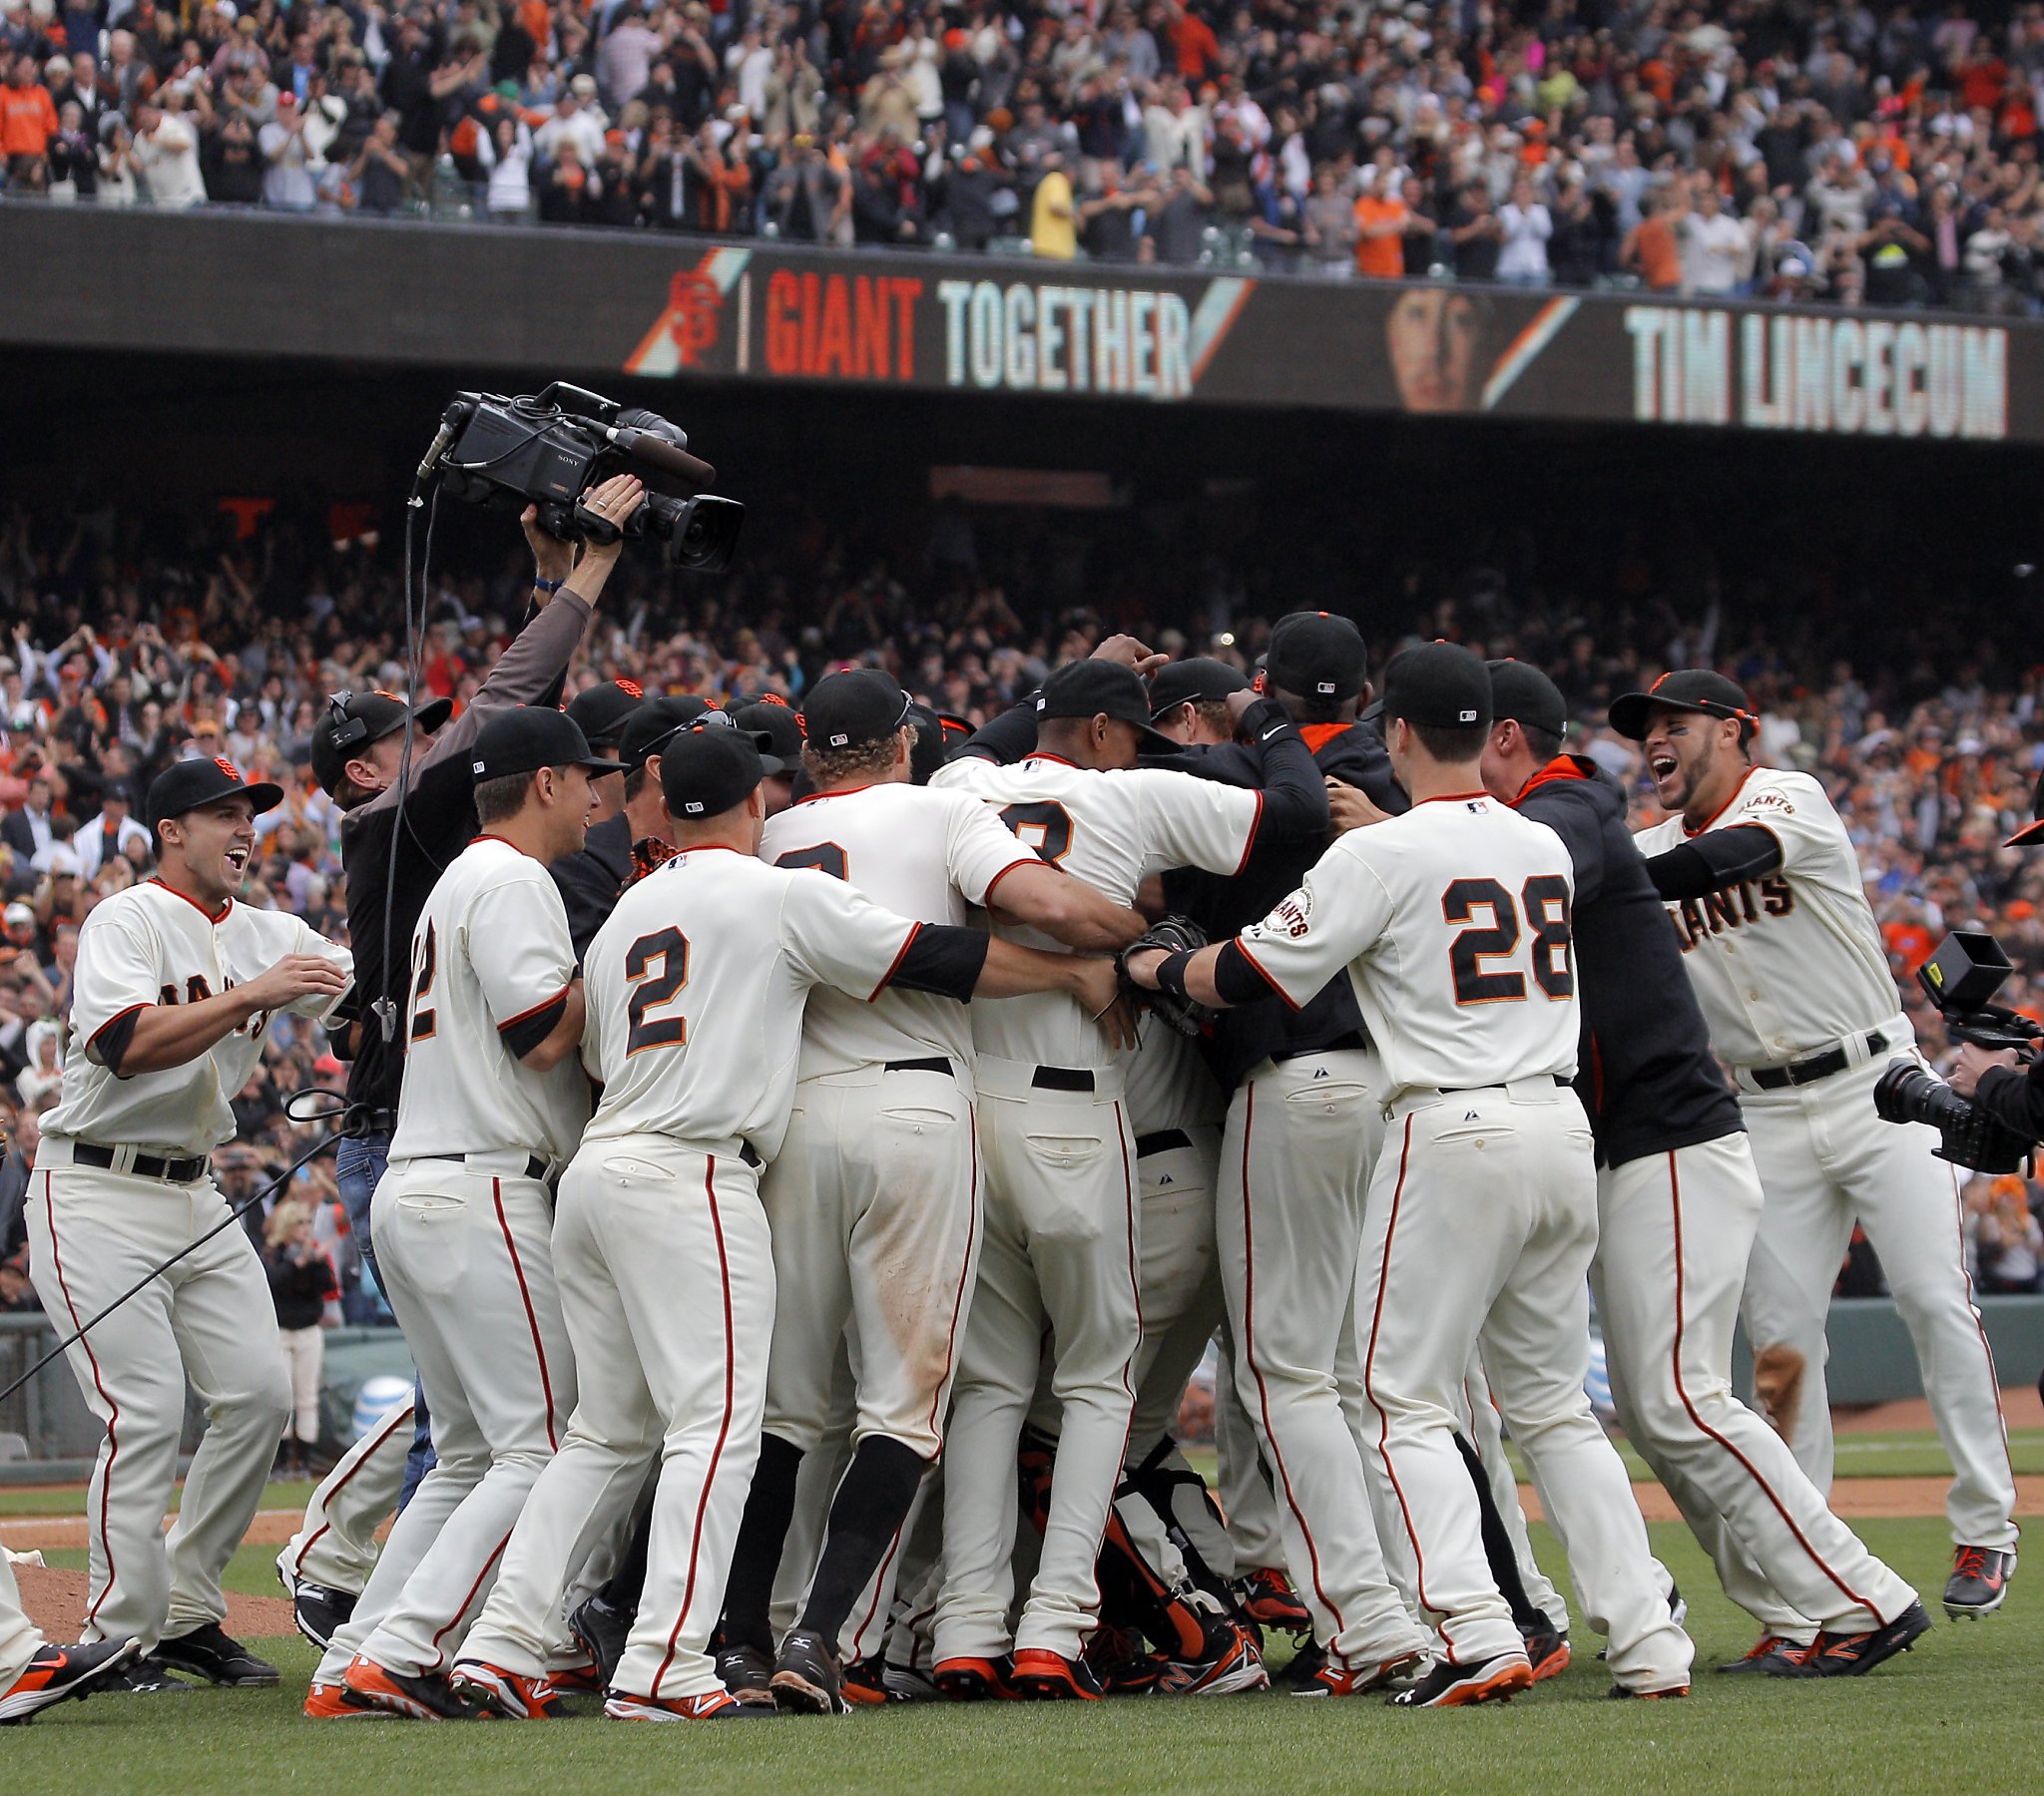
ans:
x=96 y=1230
x=1452 y=922
x=1789 y=967
x=695 y=988
x=1062 y=1230
x=462 y=1221
x=336 y=1546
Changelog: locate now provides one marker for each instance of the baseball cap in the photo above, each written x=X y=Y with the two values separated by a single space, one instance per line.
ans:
x=19 y=915
x=654 y=724
x=705 y=772
x=1201 y=680
x=847 y=711
x=1440 y=684
x=1092 y=689
x=191 y=784
x=1521 y=691
x=2027 y=836
x=527 y=738
x=601 y=711
x=1317 y=655
x=1690 y=689
x=777 y=723
x=356 y=719
x=927 y=756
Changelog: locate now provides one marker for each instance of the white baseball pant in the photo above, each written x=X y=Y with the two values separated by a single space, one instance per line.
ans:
x=464 y=1251
x=336 y=1546
x=1061 y=1246
x=1296 y=1158
x=208 y=1318
x=20 y=1638
x=1241 y=1482
x=1477 y=1417
x=1675 y=1235
x=1825 y=1161
x=1482 y=1222
x=667 y=1285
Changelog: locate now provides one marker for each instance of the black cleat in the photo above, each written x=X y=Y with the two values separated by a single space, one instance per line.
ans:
x=321 y=1611
x=143 y=1676
x=1302 y=1668
x=1773 y=1654
x=1496 y=1679
x=1853 y=1656
x=746 y=1672
x=1547 y=1650
x=600 y=1630
x=808 y=1680
x=216 y=1655
x=64 y=1675
x=1978 y=1585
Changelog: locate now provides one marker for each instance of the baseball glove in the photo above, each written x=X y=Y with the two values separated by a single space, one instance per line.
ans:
x=1174 y=935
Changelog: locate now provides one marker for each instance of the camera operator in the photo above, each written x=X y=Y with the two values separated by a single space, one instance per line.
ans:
x=358 y=750
x=2007 y=1084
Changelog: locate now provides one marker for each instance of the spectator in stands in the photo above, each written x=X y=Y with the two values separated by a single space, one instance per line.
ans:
x=307 y=1292
x=1652 y=249
x=112 y=834
x=1525 y=225
x=27 y=119
x=167 y=157
x=380 y=172
x=1716 y=255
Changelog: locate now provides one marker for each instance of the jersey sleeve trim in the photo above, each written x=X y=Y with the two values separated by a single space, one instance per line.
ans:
x=523 y=1033
x=1014 y=866
x=1290 y=1002
x=1248 y=846
x=887 y=979
x=109 y=1042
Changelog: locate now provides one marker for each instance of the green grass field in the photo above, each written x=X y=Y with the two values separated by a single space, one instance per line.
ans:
x=1960 y=1713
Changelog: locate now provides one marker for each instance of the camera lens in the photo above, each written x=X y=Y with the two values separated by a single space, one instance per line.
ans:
x=1908 y=1094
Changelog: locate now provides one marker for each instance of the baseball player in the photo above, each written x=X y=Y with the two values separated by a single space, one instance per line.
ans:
x=174 y=989
x=1062 y=1232
x=1678 y=1205
x=1452 y=922
x=1782 y=948
x=492 y=1107
x=695 y=992
x=35 y=1676
x=601 y=713
x=872 y=1200
x=325 y=1565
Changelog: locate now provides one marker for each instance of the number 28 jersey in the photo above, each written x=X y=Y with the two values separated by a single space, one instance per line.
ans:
x=1453 y=924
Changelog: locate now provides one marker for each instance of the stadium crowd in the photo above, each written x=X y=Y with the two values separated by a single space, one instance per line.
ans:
x=125 y=654
x=1833 y=150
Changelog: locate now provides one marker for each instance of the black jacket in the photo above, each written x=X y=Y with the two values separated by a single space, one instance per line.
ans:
x=1645 y=1076
x=1277 y=868
x=590 y=880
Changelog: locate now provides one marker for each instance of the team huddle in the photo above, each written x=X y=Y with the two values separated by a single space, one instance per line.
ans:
x=805 y=1231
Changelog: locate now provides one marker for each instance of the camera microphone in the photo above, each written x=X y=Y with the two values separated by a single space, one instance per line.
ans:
x=644 y=446
x=450 y=427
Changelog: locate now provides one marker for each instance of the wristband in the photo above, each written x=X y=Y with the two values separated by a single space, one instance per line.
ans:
x=1170 y=973
x=548 y=587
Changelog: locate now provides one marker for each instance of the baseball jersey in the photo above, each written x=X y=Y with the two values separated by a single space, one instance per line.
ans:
x=1169 y=1085
x=1453 y=924
x=1790 y=963
x=926 y=856
x=1113 y=830
x=147 y=946
x=695 y=988
x=491 y=962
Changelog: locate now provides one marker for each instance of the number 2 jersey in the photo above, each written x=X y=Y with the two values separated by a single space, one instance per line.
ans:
x=1792 y=963
x=925 y=856
x=1453 y=924
x=1112 y=830
x=695 y=990
x=491 y=962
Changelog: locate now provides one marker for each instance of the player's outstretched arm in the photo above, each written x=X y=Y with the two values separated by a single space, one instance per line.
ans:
x=159 y=1035
x=1716 y=859
x=1067 y=909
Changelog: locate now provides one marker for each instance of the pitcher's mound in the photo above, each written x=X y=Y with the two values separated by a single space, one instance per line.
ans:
x=55 y=1601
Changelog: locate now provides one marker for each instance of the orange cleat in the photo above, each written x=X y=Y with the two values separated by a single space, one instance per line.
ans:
x=1045 y=1676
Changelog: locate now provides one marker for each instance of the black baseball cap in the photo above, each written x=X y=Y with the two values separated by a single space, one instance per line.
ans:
x=190 y=783
x=1201 y=680
x=1690 y=689
x=1440 y=684
x=652 y=725
x=927 y=756
x=704 y=772
x=1091 y=688
x=1317 y=655
x=603 y=710
x=1519 y=690
x=847 y=711
x=527 y=738
x=2032 y=832
x=356 y=719
x=771 y=718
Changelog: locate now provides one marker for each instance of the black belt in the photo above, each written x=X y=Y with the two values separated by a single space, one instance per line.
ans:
x=1343 y=1043
x=1062 y=1079
x=1160 y=1141
x=143 y=1165
x=362 y=1122
x=1808 y=1072
x=749 y=1155
x=535 y=1167
x=935 y=1064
